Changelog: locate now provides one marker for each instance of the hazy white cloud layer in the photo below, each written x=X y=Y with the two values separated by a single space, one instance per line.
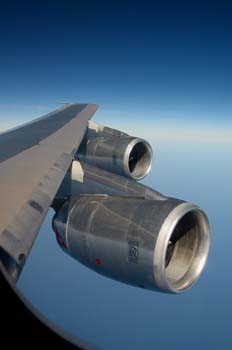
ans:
x=156 y=126
x=172 y=133
x=168 y=126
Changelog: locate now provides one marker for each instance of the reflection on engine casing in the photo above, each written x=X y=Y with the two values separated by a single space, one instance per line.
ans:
x=159 y=244
x=116 y=152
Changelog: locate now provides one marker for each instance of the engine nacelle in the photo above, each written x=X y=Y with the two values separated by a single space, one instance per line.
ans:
x=158 y=244
x=116 y=152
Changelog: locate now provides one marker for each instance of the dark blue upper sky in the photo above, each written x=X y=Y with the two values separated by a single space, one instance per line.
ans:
x=171 y=56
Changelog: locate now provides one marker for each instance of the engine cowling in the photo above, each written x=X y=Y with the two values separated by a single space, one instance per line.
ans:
x=155 y=244
x=116 y=152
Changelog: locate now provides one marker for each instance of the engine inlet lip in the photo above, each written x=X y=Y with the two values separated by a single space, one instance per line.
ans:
x=164 y=235
x=127 y=153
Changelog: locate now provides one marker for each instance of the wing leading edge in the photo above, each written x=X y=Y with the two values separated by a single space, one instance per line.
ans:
x=34 y=159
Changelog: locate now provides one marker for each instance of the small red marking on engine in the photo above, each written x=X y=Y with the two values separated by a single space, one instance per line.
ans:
x=60 y=240
x=58 y=236
x=98 y=261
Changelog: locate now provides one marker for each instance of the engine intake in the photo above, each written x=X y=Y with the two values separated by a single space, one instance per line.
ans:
x=116 y=152
x=137 y=159
x=155 y=244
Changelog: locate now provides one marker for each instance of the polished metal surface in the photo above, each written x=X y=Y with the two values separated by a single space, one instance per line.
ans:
x=186 y=234
x=137 y=160
x=84 y=179
x=116 y=152
x=132 y=233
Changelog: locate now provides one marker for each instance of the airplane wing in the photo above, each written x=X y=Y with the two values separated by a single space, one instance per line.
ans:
x=34 y=159
x=159 y=243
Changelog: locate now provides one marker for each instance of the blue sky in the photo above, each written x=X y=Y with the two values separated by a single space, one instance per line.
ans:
x=147 y=59
x=160 y=70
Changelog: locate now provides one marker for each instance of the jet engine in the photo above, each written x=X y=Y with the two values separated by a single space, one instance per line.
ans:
x=159 y=243
x=115 y=151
